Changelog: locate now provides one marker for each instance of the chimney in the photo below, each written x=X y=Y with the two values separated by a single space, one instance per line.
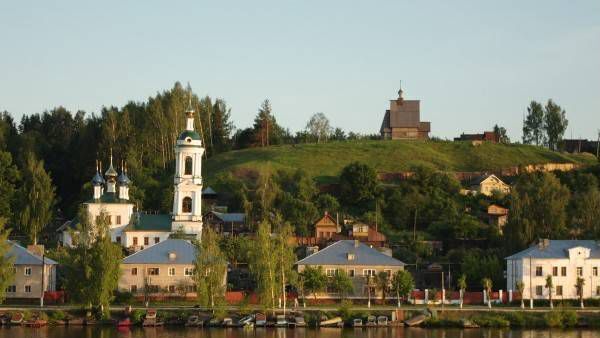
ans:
x=36 y=249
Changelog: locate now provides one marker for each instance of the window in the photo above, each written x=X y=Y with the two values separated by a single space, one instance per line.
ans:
x=559 y=290
x=351 y=273
x=369 y=272
x=171 y=271
x=118 y=239
x=153 y=271
x=579 y=271
x=146 y=240
x=133 y=288
x=598 y=290
x=156 y=240
x=330 y=272
x=190 y=288
x=186 y=205
x=27 y=271
x=555 y=271
x=27 y=288
x=172 y=288
x=563 y=271
x=119 y=219
x=189 y=271
x=134 y=271
x=109 y=219
x=539 y=271
x=135 y=241
x=188 y=166
x=539 y=290
x=11 y=288
x=595 y=271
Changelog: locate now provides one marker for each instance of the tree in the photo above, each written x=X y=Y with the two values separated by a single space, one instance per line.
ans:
x=263 y=265
x=555 y=124
x=341 y=283
x=358 y=186
x=314 y=280
x=7 y=272
x=486 y=283
x=284 y=251
x=501 y=133
x=369 y=284
x=533 y=125
x=266 y=129
x=579 y=284
x=462 y=286
x=549 y=285
x=318 y=126
x=382 y=283
x=585 y=212
x=402 y=284
x=538 y=204
x=37 y=198
x=9 y=176
x=211 y=266
x=521 y=288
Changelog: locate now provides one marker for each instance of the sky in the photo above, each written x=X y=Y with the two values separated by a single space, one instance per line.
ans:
x=471 y=63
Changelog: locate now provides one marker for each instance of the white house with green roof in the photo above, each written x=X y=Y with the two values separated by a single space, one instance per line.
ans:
x=139 y=230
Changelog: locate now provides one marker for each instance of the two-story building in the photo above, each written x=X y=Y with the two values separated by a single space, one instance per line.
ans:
x=30 y=271
x=166 y=268
x=564 y=260
x=357 y=259
x=487 y=185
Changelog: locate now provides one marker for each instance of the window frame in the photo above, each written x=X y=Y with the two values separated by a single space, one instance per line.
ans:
x=27 y=288
x=134 y=271
x=27 y=271
x=539 y=290
x=559 y=290
x=187 y=205
x=539 y=271
x=563 y=271
x=189 y=271
x=171 y=271
x=151 y=271
x=187 y=172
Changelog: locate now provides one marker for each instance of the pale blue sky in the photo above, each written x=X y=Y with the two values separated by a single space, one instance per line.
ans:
x=472 y=63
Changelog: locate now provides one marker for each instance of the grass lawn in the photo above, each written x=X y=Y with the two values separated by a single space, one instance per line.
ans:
x=325 y=161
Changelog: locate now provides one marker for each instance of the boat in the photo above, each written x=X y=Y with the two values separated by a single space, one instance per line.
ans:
x=193 y=321
x=260 y=319
x=467 y=324
x=151 y=314
x=228 y=322
x=357 y=322
x=281 y=321
x=151 y=319
x=416 y=320
x=382 y=321
x=244 y=321
x=16 y=319
x=333 y=322
x=4 y=318
x=213 y=322
x=299 y=321
x=371 y=321
x=125 y=322
x=35 y=322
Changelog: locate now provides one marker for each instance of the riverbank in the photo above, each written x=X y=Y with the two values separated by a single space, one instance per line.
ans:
x=433 y=317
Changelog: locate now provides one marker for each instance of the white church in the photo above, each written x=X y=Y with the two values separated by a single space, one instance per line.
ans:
x=136 y=230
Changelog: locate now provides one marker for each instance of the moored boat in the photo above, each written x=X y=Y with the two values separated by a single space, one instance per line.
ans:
x=382 y=321
x=260 y=319
x=281 y=321
x=299 y=321
x=16 y=319
x=371 y=321
x=416 y=320
x=357 y=322
x=35 y=322
x=333 y=322
x=244 y=321
x=125 y=322
x=193 y=321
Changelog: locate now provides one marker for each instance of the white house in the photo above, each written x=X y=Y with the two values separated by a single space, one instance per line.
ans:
x=138 y=230
x=564 y=260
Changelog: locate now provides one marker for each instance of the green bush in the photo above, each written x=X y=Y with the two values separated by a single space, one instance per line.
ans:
x=123 y=297
x=491 y=320
x=569 y=318
x=137 y=316
x=345 y=311
x=553 y=319
x=57 y=315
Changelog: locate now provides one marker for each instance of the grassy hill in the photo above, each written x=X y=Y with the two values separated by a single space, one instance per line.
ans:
x=325 y=161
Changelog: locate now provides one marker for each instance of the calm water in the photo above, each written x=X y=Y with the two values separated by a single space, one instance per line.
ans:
x=107 y=332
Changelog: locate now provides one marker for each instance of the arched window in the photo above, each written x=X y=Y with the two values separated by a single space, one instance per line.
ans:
x=188 y=166
x=186 y=206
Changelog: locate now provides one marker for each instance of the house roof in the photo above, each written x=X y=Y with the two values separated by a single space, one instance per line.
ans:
x=326 y=221
x=109 y=197
x=26 y=257
x=230 y=217
x=209 y=191
x=149 y=222
x=480 y=179
x=337 y=254
x=185 y=253
x=557 y=249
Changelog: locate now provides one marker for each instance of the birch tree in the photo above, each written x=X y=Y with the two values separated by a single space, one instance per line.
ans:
x=263 y=266
x=211 y=267
x=284 y=251
x=7 y=273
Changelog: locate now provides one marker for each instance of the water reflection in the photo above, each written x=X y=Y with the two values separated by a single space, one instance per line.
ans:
x=108 y=332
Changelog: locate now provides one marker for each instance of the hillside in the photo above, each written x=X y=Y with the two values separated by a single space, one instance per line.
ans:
x=325 y=161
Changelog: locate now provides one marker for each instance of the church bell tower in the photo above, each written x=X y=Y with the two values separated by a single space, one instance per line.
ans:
x=187 y=204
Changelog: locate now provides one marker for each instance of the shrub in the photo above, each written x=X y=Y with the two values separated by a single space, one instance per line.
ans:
x=491 y=320
x=57 y=315
x=569 y=318
x=137 y=315
x=344 y=310
x=123 y=297
x=553 y=319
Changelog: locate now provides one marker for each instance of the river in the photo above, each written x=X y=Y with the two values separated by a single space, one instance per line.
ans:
x=109 y=332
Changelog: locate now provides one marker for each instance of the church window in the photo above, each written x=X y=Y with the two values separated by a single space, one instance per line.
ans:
x=188 y=166
x=187 y=204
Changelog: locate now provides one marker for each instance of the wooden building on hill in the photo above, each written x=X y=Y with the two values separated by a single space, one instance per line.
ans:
x=403 y=120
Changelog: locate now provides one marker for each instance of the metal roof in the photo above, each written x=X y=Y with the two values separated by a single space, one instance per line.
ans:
x=26 y=257
x=185 y=253
x=149 y=222
x=230 y=217
x=557 y=249
x=109 y=198
x=337 y=254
